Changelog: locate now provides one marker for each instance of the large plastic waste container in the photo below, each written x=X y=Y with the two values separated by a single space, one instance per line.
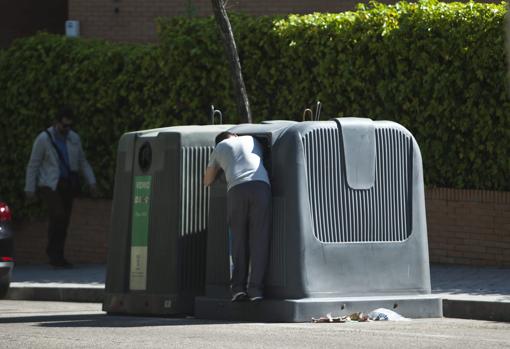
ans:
x=349 y=226
x=157 y=243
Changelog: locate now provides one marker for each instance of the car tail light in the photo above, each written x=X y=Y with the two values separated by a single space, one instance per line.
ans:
x=6 y=259
x=5 y=212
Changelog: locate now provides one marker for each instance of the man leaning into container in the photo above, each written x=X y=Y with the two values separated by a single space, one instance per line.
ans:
x=248 y=209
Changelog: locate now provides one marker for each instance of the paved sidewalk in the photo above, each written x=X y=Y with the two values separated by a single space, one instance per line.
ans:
x=83 y=283
x=471 y=283
x=481 y=293
x=468 y=292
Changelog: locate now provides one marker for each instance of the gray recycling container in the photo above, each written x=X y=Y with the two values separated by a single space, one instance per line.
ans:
x=157 y=242
x=349 y=226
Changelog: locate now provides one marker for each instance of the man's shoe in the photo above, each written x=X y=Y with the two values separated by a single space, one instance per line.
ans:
x=240 y=297
x=67 y=264
x=256 y=299
x=61 y=263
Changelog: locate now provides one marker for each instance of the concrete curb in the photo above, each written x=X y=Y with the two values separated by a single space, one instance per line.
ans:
x=477 y=310
x=461 y=309
x=57 y=294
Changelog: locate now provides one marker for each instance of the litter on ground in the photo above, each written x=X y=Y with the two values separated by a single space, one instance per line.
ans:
x=379 y=314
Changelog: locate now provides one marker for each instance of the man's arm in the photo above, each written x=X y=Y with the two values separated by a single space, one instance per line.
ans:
x=36 y=159
x=210 y=175
x=86 y=170
x=84 y=165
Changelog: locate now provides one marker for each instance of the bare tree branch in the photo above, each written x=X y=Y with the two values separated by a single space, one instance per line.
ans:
x=227 y=36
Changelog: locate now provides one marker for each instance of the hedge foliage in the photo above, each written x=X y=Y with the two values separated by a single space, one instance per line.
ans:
x=439 y=69
x=104 y=83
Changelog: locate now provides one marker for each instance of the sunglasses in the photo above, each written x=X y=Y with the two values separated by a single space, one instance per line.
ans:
x=66 y=125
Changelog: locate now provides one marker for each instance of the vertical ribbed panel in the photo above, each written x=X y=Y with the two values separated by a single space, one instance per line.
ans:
x=194 y=211
x=341 y=214
x=195 y=196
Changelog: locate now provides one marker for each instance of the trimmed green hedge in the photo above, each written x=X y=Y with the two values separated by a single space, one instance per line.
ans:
x=439 y=69
x=105 y=83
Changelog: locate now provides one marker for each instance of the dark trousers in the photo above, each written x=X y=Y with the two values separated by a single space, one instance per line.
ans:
x=249 y=217
x=59 y=203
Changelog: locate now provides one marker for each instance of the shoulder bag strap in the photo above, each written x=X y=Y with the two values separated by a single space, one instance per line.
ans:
x=60 y=156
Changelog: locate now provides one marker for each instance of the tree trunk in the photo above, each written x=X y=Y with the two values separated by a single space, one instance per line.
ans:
x=227 y=36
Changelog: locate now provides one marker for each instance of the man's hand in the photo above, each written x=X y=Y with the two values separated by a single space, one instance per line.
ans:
x=210 y=175
x=30 y=197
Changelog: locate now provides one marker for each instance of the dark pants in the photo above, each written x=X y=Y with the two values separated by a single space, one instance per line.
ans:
x=59 y=204
x=249 y=217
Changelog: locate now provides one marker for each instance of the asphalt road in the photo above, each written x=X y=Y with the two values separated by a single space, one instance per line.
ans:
x=29 y=324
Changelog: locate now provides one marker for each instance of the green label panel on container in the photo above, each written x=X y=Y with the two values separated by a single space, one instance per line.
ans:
x=140 y=232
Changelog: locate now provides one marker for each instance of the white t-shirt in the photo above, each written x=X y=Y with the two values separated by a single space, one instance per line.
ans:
x=241 y=160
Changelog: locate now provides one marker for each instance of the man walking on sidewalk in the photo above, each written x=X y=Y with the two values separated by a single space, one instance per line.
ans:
x=249 y=209
x=52 y=171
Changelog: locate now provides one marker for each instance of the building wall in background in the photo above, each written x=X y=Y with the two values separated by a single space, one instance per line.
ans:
x=470 y=227
x=134 y=20
x=21 y=18
x=86 y=239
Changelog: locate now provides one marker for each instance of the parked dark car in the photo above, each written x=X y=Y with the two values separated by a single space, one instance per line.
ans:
x=6 y=249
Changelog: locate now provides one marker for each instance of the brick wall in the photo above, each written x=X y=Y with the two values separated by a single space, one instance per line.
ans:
x=87 y=235
x=22 y=18
x=469 y=227
x=134 y=20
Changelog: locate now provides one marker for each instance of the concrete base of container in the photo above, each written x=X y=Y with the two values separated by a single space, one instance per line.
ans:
x=148 y=304
x=303 y=310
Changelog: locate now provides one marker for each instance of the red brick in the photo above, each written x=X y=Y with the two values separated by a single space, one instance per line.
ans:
x=87 y=235
x=98 y=14
x=455 y=235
